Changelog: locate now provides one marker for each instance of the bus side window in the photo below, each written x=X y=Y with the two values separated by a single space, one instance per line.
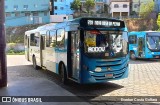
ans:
x=34 y=40
x=52 y=39
x=48 y=40
x=133 y=39
x=61 y=38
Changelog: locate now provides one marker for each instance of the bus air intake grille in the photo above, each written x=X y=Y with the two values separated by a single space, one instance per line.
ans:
x=101 y=76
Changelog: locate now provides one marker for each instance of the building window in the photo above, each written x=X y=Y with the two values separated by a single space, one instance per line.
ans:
x=6 y=7
x=15 y=7
x=45 y=13
x=55 y=7
x=55 y=0
x=135 y=5
x=25 y=6
x=61 y=8
x=61 y=0
x=8 y=14
x=124 y=5
x=35 y=5
x=35 y=14
x=17 y=14
x=133 y=39
x=116 y=6
x=27 y=14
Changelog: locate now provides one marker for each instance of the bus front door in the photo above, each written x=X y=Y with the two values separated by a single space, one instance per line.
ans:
x=140 y=47
x=75 y=55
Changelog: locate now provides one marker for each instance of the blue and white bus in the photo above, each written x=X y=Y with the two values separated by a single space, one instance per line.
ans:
x=145 y=44
x=85 y=50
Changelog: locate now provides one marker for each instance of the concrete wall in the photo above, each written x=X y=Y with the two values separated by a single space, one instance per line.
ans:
x=60 y=18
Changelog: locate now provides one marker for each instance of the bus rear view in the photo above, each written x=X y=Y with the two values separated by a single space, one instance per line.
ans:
x=144 y=44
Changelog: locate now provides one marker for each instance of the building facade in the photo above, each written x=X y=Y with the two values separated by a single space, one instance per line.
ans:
x=157 y=6
x=98 y=8
x=61 y=7
x=119 y=8
x=136 y=4
x=23 y=12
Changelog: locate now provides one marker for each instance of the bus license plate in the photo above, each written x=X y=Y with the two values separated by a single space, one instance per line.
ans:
x=109 y=75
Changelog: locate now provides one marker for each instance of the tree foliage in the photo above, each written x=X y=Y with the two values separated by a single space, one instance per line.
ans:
x=158 y=20
x=89 y=4
x=146 y=9
x=75 y=5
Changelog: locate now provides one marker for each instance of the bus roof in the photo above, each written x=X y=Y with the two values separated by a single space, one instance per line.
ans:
x=77 y=21
x=133 y=32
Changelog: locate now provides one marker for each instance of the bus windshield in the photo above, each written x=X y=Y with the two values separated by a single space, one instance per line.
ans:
x=105 y=44
x=153 y=43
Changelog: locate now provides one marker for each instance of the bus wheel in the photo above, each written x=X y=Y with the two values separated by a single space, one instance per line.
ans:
x=34 y=63
x=132 y=56
x=63 y=74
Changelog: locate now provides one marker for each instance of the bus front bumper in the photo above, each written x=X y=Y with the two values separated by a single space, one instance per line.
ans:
x=102 y=77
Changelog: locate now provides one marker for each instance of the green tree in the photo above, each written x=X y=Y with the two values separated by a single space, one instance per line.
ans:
x=146 y=9
x=158 y=21
x=76 y=5
x=89 y=4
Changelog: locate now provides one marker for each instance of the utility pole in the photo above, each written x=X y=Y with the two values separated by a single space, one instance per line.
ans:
x=139 y=5
x=3 y=66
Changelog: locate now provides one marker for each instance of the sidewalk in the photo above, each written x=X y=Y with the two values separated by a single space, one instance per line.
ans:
x=36 y=87
x=23 y=85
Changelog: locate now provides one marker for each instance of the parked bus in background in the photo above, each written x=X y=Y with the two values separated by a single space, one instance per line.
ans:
x=145 y=44
x=85 y=50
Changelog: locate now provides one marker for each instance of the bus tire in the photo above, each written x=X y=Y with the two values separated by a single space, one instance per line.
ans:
x=132 y=56
x=63 y=74
x=34 y=63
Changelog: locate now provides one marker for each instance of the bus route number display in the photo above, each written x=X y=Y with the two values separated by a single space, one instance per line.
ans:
x=105 y=23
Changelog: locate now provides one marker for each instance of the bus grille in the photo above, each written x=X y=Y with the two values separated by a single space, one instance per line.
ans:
x=100 y=76
x=118 y=68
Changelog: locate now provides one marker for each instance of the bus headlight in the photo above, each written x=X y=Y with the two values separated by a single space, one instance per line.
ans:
x=98 y=69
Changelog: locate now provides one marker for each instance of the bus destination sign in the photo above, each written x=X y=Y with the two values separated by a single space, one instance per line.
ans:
x=105 y=23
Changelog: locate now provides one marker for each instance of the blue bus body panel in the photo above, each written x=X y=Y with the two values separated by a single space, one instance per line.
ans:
x=118 y=67
x=134 y=47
